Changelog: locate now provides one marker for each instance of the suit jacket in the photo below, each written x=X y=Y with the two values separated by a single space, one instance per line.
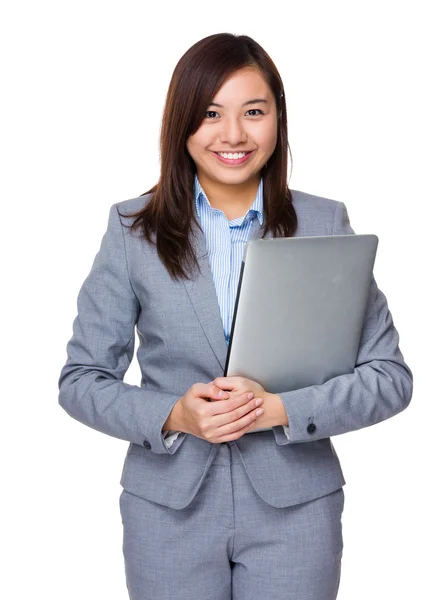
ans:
x=181 y=342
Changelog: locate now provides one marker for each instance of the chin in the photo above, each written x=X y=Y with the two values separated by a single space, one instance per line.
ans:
x=235 y=180
x=232 y=175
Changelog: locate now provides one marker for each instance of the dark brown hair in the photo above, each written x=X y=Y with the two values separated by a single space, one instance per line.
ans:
x=170 y=211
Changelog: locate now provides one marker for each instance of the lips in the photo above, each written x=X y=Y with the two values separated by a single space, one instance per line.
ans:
x=233 y=161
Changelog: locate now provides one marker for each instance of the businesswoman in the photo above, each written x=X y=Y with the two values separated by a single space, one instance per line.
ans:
x=212 y=508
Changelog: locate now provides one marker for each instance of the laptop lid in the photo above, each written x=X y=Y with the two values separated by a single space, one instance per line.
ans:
x=300 y=308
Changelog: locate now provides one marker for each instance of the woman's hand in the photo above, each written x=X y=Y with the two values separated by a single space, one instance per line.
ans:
x=274 y=410
x=224 y=419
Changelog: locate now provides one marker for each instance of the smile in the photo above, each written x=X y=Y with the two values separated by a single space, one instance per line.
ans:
x=233 y=158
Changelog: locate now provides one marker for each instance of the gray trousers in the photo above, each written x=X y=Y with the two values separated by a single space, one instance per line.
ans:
x=229 y=544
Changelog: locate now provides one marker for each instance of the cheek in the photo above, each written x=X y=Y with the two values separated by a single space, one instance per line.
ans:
x=267 y=137
x=192 y=141
x=196 y=145
x=269 y=141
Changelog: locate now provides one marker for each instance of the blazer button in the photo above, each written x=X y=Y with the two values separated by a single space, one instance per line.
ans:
x=311 y=428
x=146 y=445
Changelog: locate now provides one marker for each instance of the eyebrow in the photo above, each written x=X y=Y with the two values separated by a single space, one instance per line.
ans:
x=255 y=101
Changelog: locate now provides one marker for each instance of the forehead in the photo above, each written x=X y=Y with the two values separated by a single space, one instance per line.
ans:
x=243 y=85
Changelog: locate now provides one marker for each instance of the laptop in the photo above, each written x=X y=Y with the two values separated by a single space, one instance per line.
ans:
x=299 y=309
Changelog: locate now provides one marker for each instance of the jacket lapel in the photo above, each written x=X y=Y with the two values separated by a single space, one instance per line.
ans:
x=202 y=294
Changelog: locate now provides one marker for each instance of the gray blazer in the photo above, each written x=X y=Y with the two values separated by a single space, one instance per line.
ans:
x=182 y=342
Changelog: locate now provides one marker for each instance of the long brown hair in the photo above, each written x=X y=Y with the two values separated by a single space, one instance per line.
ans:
x=166 y=219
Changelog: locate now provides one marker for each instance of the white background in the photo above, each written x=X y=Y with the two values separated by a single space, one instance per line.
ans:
x=83 y=90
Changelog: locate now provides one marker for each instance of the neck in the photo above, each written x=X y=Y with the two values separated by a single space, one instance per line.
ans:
x=234 y=200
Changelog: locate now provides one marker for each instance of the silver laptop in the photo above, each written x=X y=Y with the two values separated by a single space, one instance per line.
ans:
x=300 y=308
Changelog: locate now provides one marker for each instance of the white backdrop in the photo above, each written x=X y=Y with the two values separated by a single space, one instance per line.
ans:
x=83 y=89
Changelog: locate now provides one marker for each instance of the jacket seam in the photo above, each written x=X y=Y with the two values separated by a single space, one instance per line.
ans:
x=125 y=252
x=334 y=217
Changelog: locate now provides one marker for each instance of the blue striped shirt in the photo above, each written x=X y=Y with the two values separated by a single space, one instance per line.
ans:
x=225 y=243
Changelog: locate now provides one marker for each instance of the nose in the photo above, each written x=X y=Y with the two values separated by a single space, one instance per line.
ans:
x=232 y=132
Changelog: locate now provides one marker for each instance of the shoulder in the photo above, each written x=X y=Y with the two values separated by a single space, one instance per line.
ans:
x=303 y=201
x=128 y=207
x=316 y=215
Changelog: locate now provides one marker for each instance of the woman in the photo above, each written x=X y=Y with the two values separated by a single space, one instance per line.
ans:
x=209 y=512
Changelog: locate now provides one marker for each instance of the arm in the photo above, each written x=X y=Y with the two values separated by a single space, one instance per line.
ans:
x=101 y=349
x=379 y=387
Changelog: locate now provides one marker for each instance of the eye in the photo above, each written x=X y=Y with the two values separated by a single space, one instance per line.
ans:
x=211 y=112
x=254 y=110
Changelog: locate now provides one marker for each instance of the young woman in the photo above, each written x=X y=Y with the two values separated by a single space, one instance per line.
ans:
x=208 y=511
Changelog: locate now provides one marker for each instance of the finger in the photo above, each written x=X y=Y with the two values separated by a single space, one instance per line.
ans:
x=234 y=408
x=245 y=421
x=221 y=395
x=207 y=391
x=235 y=400
x=228 y=383
x=215 y=393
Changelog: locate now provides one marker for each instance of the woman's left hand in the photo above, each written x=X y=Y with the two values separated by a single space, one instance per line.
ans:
x=274 y=412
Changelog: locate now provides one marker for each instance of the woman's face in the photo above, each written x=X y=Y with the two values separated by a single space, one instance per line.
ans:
x=242 y=117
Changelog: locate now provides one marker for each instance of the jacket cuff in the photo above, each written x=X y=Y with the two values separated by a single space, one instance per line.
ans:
x=170 y=437
x=155 y=440
x=282 y=434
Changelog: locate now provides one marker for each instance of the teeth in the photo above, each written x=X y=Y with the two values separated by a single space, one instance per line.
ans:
x=231 y=155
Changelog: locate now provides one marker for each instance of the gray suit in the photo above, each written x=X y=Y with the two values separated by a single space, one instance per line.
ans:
x=182 y=342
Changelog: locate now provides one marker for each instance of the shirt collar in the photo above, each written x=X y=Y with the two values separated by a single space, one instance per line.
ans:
x=256 y=208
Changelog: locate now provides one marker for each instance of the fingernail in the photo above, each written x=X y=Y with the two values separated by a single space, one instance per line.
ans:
x=259 y=412
x=250 y=396
x=222 y=394
x=258 y=401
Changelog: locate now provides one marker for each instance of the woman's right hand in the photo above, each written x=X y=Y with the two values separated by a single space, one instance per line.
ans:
x=227 y=417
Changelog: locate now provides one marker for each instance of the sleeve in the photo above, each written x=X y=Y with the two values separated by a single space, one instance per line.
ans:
x=91 y=387
x=379 y=388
